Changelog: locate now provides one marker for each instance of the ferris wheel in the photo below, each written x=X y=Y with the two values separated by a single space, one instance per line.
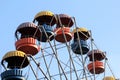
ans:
x=53 y=47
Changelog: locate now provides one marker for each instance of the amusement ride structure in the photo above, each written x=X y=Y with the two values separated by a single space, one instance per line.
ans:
x=53 y=47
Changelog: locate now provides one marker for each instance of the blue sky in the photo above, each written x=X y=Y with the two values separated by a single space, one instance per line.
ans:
x=102 y=17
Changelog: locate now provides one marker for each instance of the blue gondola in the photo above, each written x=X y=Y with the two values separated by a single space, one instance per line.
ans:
x=76 y=48
x=14 y=74
x=46 y=33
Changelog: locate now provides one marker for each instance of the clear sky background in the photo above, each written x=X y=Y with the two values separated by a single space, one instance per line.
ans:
x=102 y=17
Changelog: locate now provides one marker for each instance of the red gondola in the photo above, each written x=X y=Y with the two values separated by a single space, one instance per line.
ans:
x=64 y=20
x=62 y=34
x=98 y=67
x=27 y=29
x=28 y=45
x=98 y=55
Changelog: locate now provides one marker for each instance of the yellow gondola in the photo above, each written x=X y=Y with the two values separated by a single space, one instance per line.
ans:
x=45 y=17
x=109 y=78
x=15 y=59
x=83 y=33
